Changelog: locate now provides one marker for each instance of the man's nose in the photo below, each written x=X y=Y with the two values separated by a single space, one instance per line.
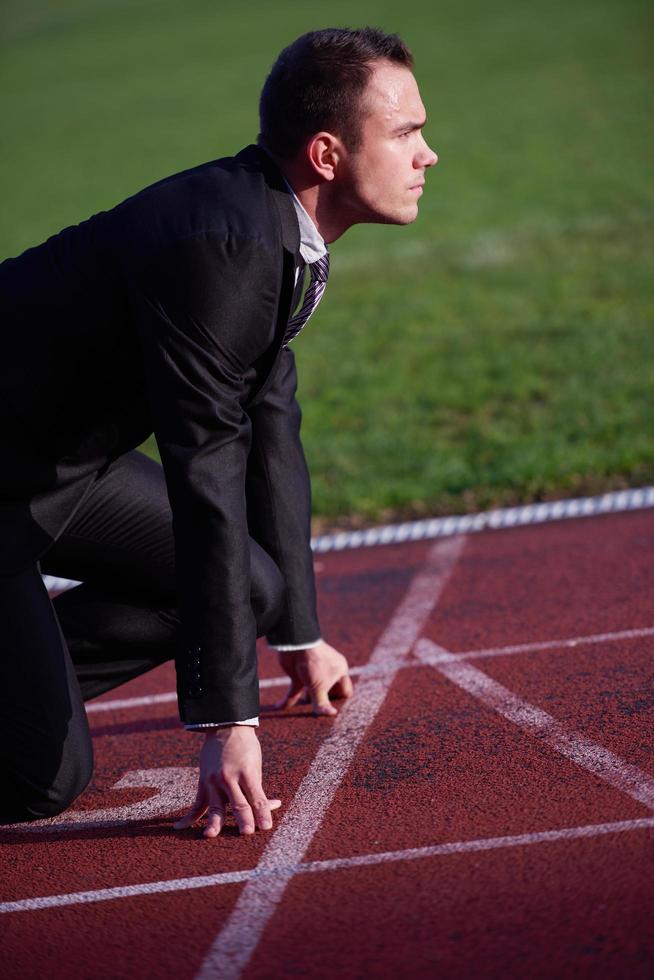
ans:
x=431 y=158
x=425 y=157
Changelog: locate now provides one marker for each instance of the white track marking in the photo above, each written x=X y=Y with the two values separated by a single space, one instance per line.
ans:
x=581 y=750
x=125 y=891
x=334 y=864
x=170 y=696
x=177 y=788
x=256 y=904
x=442 y=656
x=481 y=844
x=122 y=704
x=167 y=697
x=438 y=655
x=639 y=498
x=56 y=586
x=436 y=527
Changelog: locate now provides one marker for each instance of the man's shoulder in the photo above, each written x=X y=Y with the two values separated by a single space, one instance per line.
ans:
x=232 y=197
x=224 y=170
x=219 y=188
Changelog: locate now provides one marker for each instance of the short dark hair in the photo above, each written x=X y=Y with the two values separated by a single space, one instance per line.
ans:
x=316 y=84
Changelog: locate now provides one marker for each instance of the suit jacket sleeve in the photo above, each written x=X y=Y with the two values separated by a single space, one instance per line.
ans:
x=279 y=501
x=205 y=309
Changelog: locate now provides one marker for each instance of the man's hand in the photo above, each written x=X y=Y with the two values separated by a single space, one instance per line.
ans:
x=230 y=772
x=315 y=674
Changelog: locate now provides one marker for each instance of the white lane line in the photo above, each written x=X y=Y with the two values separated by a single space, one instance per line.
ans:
x=482 y=844
x=441 y=657
x=124 y=891
x=169 y=696
x=446 y=656
x=334 y=864
x=166 y=697
x=120 y=704
x=239 y=937
x=583 y=751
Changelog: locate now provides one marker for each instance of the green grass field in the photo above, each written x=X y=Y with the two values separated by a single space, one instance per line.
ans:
x=498 y=350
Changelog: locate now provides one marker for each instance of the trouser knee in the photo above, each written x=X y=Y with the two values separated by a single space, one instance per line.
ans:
x=33 y=799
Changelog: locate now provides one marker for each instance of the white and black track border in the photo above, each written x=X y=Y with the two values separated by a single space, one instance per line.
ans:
x=503 y=517
x=614 y=502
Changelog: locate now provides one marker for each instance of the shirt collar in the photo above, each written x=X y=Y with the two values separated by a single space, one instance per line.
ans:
x=312 y=244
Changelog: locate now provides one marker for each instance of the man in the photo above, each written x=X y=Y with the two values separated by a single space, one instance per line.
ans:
x=173 y=313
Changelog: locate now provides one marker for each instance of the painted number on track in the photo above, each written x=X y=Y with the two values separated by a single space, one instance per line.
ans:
x=176 y=790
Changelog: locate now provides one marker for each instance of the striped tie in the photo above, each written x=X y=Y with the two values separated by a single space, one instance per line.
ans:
x=319 y=273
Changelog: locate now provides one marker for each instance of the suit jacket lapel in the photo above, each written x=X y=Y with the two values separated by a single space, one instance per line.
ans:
x=290 y=241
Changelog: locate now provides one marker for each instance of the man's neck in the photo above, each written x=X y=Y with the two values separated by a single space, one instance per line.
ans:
x=317 y=201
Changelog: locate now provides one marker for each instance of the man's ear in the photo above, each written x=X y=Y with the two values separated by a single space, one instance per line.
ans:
x=324 y=153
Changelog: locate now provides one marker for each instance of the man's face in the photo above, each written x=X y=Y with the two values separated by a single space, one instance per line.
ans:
x=382 y=180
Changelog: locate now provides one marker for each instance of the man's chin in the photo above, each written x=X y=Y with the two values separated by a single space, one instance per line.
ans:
x=405 y=216
x=412 y=217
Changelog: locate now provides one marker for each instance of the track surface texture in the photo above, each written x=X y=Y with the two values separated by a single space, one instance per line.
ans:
x=483 y=807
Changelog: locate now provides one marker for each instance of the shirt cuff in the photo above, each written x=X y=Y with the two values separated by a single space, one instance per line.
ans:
x=295 y=646
x=222 y=724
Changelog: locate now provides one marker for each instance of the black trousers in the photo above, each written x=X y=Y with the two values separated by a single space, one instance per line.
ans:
x=121 y=622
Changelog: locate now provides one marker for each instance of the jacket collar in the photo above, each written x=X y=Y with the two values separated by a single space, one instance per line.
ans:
x=256 y=158
x=312 y=244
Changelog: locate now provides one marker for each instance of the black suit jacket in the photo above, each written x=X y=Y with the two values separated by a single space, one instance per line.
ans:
x=167 y=314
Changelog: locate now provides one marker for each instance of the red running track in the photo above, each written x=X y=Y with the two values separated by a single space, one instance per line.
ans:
x=483 y=807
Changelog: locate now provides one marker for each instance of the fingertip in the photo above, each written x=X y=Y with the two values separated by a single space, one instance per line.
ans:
x=274 y=804
x=210 y=832
x=325 y=709
x=186 y=821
